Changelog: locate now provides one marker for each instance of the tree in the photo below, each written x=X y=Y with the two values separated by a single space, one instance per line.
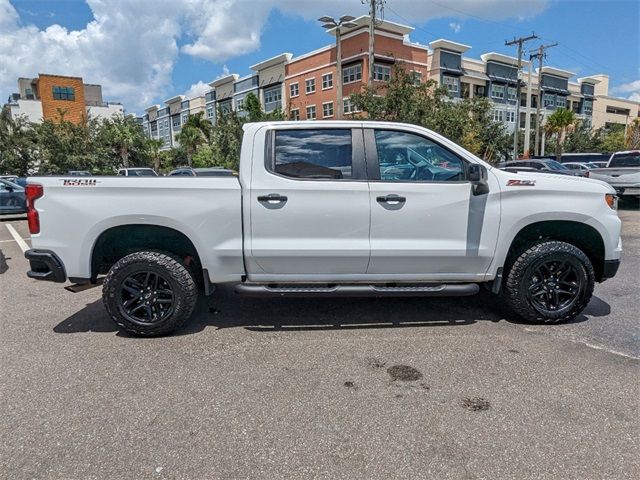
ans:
x=17 y=145
x=198 y=121
x=613 y=140
x=226 y=139
x=633 y=135
x=190 y=138
x=557 y=124
x=255 y=113
x=153 y=146
x=123 y=138
x=583 y=139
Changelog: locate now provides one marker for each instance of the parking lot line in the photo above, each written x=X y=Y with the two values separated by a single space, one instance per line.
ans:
x=21 y=243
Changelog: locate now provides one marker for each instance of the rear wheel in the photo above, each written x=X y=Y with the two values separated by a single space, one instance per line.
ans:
x=551 y=282
x=149 y=293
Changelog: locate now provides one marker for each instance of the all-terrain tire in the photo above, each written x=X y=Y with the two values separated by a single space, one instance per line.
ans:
x=522 y=275
x=175 y=277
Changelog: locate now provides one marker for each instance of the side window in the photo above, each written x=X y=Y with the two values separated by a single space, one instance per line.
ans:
x=317 y=154
x=408 y=157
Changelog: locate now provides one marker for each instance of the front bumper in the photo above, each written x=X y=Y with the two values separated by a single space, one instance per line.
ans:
x=610 y=269
x=45 y=265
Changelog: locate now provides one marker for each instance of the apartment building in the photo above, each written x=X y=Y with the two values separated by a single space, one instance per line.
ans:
x=304 y=87
x=50 y=97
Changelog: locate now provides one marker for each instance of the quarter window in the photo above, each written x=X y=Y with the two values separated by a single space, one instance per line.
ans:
x=327 y=81
x=313 y=154
x=408 y=157
x=311 y=112
x=64 y=93
x=352 y=74
x=310 y=85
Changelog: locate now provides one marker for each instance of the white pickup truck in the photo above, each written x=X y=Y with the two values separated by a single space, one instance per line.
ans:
x=340 y=208
x=622 y=173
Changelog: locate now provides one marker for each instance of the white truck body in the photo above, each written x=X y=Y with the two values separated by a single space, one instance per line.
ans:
x=622 y=173
x=327 y=231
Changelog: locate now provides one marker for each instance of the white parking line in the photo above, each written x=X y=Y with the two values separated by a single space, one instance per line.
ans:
x=21 y=243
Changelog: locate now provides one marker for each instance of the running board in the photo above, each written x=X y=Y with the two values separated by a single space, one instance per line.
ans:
x=448 y=290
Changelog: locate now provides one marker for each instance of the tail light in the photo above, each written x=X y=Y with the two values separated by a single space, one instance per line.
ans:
x=33 y=191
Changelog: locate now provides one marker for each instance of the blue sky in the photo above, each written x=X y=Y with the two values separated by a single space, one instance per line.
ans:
x=122 y=44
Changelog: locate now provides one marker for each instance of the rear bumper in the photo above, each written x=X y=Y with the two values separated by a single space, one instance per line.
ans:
x=610 y=269
x=45 y=265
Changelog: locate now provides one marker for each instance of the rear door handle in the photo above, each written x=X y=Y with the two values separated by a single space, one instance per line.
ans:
x=391 y=198
x=272 y=198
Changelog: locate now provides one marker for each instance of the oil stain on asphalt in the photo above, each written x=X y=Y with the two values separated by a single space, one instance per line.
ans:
x=404 y=373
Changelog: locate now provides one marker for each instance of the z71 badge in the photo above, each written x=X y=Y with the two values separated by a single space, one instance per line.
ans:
x=521 y=183
x=79 y=182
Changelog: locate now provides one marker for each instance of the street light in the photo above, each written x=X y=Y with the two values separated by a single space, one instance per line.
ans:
x=330 y=23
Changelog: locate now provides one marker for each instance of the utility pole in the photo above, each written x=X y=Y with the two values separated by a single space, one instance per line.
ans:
x=527 y=116
x=374 y=7
x=518 y=41
x=540 y=56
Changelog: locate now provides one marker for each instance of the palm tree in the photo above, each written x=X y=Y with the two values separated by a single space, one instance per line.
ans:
x=190 y=138
x=558 y=123
x=198 y=121
x=153 y=147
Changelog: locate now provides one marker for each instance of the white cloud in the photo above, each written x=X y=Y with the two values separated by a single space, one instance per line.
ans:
x=456 y=27
x=131 y=47
x=197 y=89
x=632 y=89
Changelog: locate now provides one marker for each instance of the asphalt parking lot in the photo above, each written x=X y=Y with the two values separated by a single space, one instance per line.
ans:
x=348 y=388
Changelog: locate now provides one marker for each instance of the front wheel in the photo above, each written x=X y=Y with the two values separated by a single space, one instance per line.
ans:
x=551 y=282
x=149 y=293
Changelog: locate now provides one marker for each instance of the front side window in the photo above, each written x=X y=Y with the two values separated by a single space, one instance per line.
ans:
x=452 y=83
x=327 y=81
x=352 y=74
x=408 y=157
x=382 y=73
x=311 y=112
x=294 y=90
x=327 y=109
x=313 y=154
x=64 y=93
x=310 y=85
x=497 y=91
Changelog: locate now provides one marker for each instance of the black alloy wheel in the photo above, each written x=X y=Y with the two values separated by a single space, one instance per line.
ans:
x=554 y=285
x=146 y=297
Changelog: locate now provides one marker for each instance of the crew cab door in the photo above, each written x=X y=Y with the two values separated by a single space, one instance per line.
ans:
x=426 y=222
x=309 y=205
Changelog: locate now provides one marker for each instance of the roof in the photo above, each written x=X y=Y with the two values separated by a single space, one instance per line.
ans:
x=449 y=45
x=557 y=72
x=589 y=80
x=177 y=98
x=270 y=62
x=504 y=59
x=152 y=108
x=223 y=80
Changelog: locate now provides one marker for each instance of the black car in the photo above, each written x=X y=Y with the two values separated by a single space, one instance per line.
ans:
x=202 y=172
x=12 y=198
x=540 y=165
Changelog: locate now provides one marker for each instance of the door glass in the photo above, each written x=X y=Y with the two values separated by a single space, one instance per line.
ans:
x=407 y=157
x=317 y=154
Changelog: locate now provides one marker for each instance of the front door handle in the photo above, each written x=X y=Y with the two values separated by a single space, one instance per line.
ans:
x=272 y=198
x=391 y=198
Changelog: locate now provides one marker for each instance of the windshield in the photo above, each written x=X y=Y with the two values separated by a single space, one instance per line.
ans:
x=553 y=165
x=625 y=160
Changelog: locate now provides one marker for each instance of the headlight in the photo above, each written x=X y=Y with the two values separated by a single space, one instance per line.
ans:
x=612 y=200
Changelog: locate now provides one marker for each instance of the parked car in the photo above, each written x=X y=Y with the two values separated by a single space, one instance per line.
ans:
x=79 y=173
x=541 y=165
x=311 y=214
x=584 y=157
x=202 y=172
x=12 y=198
x=22 y=181
x=582 y=167
x=137 y=172
x=622 y=173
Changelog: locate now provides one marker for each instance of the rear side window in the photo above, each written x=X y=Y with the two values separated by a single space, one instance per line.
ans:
x=625 y=160
x=313 y=154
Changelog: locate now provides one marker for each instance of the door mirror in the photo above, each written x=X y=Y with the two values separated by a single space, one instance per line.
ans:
x=478 y=177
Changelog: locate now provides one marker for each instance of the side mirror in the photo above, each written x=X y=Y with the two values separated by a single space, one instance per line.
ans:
x=478 y=177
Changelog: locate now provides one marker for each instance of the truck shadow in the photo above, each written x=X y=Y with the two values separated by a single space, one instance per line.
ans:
x=227 y=310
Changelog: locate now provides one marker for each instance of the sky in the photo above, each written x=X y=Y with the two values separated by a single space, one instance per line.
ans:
x=146 y=51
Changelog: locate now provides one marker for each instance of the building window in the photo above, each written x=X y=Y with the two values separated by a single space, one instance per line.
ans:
x=64 y=93
x=478 y=91
x=327 y=81
x=294 y=90
x=510 y=116
x=497 y=115
x=381 y=73
x=416 y=77
x=273 y=95
x=451 y=83
x=240 y=104
x=352 y=74
x=311 y=112
x=497 y=91
x=29 y=93
x=310 y=85
x=587 y=107
x=512 y=94
x=348 y=106
x=175 y=121
x=210 y=111
x=561 y=102
x=295 y=114
x=327 y=110
x=185 y=118
x=184 y=105
x=548 y=100
x=465 y=89
x=316 y=154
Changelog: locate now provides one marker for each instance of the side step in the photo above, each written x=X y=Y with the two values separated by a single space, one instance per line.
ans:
x=445 y=290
